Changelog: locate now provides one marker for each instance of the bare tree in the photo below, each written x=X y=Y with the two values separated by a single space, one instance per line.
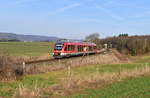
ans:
x=93 y=37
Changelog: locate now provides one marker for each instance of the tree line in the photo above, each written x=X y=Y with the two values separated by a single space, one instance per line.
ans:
x=133 y=45
x=9 y=40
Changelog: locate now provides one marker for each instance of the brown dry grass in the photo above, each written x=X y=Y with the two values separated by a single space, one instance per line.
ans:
x=73 y=83
x=109 y=58
x=23 y=92
x=8 y=68
x=21 y=59
x=120 y=56
x=77 y=82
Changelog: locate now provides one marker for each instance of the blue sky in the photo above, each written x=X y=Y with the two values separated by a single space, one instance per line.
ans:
x=75 y=18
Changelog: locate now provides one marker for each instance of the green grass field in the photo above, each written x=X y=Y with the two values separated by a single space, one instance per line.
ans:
x=27 y=48
x=132 y=88
x=51 y=78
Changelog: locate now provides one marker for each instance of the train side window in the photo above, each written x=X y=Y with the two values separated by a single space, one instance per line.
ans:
x=70 y=48
x=80 y=48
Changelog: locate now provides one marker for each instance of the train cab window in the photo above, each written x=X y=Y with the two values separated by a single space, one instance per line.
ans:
x=70 y=48
x=58 y=47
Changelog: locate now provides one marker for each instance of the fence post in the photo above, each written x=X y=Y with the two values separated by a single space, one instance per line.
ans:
x=146 y=67
x=69 y=71
x=24 y=65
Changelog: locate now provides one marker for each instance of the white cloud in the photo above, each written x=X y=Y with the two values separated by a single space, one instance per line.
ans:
x=65 y=8
x=110 y=13
x=69 y=6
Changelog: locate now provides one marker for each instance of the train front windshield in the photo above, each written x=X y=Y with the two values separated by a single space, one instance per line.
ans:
x=58 y=47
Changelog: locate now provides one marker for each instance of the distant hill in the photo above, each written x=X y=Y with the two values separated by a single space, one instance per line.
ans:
x=13 y=36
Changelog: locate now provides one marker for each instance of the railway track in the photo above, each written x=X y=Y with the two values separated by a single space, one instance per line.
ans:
x=47 y=60
x=42 y=66
x=53 y=59
x=40 y=61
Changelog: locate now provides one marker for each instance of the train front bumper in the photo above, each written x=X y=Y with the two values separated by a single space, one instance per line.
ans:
x=59 y=55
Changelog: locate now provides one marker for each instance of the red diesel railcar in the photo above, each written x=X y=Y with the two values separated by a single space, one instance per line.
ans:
x=67 y=48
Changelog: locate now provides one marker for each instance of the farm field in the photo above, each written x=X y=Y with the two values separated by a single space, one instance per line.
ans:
x=27 y=48
x=91 y=81
x=75 y=49
x=131 y=88
x=46 y=80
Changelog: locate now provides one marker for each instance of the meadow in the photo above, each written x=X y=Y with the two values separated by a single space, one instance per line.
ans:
x=124 y=80
x=46 y=80
x=27 y=48
x=131 y=88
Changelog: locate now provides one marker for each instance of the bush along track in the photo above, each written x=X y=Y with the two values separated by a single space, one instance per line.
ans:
x=9 y=70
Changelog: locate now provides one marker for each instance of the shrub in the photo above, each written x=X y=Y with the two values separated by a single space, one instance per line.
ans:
x=8 y=67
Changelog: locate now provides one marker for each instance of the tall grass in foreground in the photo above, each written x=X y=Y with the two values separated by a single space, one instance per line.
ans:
x=72 y=82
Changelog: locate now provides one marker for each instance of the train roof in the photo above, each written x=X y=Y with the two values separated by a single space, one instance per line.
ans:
x=62 y=41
